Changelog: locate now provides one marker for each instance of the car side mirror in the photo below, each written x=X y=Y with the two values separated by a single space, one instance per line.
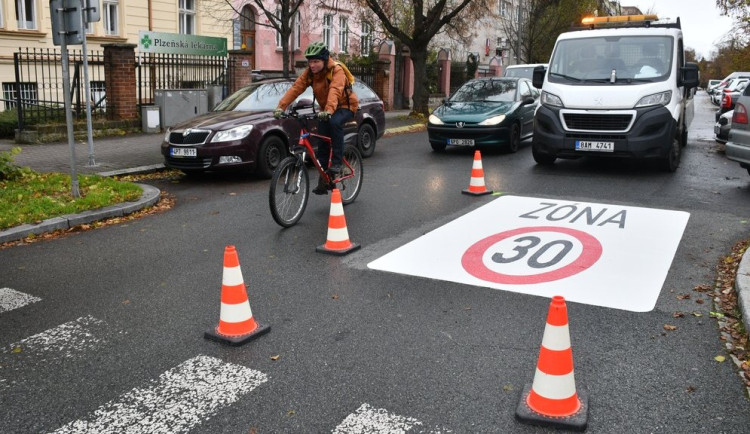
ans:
x=304 y=103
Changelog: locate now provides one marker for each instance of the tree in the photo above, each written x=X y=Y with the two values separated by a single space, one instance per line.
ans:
x=281 y=19
x=739 y=9
x=415 y=24
x=542 y=21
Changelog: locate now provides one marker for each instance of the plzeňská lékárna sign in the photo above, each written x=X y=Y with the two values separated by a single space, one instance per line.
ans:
x=174 y=43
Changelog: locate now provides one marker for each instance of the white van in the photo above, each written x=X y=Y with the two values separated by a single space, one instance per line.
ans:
x=619 y=87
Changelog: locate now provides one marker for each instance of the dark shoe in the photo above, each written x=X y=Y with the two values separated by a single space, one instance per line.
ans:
x=334 y=171
x=321 y=188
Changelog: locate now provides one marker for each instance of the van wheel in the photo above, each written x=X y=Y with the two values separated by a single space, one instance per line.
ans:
x=542 y=158
x=514 y=139
x=671 y=162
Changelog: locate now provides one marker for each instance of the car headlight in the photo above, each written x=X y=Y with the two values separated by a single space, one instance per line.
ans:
x=551 y=99
x=661 y=98
x=235 y=133
x=166 y=135
x=434 y=120
x=494 y=120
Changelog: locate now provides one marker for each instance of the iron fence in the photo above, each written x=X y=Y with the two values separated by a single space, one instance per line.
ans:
x=37 y=93
x=365 y=74
x=157 y=71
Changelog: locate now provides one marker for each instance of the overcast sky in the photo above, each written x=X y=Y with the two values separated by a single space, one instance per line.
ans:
x=702 y=25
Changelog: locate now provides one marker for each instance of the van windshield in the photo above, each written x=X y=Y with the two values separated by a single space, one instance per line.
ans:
x=612 y=59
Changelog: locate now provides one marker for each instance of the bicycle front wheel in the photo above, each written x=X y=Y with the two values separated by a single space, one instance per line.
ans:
x=290 y=189
x=350 y=187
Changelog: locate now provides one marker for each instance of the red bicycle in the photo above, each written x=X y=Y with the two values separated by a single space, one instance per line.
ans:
x=290 y=184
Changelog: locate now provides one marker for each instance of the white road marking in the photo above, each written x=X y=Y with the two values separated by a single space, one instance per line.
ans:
x=11 y=299
x=179 y=400
x=66 y=340
x=369 y=420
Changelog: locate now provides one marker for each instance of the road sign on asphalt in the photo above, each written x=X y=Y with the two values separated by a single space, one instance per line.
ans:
x=600 y=254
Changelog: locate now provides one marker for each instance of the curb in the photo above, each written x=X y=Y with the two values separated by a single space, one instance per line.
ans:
x=149 y=197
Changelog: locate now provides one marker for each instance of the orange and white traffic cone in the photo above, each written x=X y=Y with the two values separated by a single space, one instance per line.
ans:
x=337 y=241
x=236 y=323
x=476 y=184
x=552 y=398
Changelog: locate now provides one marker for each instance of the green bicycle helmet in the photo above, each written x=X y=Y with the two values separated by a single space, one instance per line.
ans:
x=317 y=50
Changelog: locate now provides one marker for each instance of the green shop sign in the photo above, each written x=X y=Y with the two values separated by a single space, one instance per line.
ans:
x=174 y=43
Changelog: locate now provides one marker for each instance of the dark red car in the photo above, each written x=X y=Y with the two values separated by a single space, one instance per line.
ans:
x=242 y=134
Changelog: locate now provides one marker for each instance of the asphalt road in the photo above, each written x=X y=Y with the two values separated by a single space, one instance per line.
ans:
x=353 y=347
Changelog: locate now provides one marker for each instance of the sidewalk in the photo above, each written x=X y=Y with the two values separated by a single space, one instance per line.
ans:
x=134 y=153
x=126 y=154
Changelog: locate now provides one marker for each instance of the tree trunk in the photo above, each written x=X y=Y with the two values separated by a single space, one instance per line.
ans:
x=421 y=96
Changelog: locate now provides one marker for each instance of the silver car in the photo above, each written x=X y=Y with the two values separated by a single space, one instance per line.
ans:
x=738 y=143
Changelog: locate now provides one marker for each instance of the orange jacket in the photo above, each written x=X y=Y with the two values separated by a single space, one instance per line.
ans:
x=330 y=96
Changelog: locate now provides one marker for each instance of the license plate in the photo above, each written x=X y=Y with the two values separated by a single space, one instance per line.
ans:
x=183 y=152
x=585 y=145
x=461 y=142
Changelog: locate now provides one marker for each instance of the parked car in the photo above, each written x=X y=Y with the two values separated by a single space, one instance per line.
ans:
x=242 y=134
x=485 y=112
x=730 y=94
x=733 y=88
x=722 y=126
x=711 y=84
x=522 y=70
x=716 y=90
x=738 y=142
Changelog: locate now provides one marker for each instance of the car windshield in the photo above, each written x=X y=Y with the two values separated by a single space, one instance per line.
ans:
x=616 y=59
x=486 y=90
x=259 y=97
x=521 y=71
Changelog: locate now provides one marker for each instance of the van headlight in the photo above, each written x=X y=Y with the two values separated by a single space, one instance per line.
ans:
x=661 y=98
x=235 y=133
x=551 y=99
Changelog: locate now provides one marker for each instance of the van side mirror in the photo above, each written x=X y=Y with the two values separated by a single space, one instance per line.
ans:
x=538 y=77
x=689 y=75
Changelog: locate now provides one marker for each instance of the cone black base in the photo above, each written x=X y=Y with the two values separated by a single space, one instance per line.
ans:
x=577 y=421
x=236 y=341
x=473 y=193
x=340 y=252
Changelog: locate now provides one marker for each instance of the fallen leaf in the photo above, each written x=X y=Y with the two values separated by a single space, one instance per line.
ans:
x=335 y=296
x=698 y=314
x=683 y=296
x=669 y=327
x=700 y=301
x=716 y=315
x=678 y=315
x=702 y=288
x=290 y=413
x=276 y=357
x=719 y=358
x=16 y=350
x=508 y=387
x=233 y=194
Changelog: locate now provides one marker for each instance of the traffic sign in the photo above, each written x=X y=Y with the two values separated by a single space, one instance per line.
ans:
x=601 y=254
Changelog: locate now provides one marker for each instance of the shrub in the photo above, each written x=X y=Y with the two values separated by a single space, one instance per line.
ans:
x=8 y=170
x=8 y=124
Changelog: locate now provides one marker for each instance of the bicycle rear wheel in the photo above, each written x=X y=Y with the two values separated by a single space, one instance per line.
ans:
x=289 y=191
x=350 y=187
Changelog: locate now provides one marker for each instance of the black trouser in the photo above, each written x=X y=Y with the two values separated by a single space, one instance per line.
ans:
x=334 y=129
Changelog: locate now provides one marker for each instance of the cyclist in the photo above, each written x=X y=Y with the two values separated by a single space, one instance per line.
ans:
x=338 y=105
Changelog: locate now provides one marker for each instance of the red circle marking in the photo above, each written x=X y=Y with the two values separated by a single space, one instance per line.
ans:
x=473 y=263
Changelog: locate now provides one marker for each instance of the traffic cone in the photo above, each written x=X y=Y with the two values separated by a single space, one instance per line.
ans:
x=236 y=323
x=476 y=184
x=337 y=242
x=552 y=399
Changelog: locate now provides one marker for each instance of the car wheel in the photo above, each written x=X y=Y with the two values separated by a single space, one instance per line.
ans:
x=542 y=158
x=671 y=162
x=515 y=138
x=438 y=147
x=270 y=154
x=366 y=140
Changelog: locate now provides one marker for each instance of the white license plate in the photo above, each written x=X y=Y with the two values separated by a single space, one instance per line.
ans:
x=461 y=142
x=183 y=152
x=585 y=145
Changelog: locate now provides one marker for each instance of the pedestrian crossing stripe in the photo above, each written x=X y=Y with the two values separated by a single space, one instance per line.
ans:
x=11 y=299
x=179 y=400
x=370 y=420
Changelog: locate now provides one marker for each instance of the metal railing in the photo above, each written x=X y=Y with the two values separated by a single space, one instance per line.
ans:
x=156 y=71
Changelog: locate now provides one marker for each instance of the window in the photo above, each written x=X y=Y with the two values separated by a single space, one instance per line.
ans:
x=187 y=17
x=344 y=34
x=26 y=14
x=327 y=30
x=365 y=39
x=278 y=34
x=297 y=31
x=111 y=20
x=28 y=94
